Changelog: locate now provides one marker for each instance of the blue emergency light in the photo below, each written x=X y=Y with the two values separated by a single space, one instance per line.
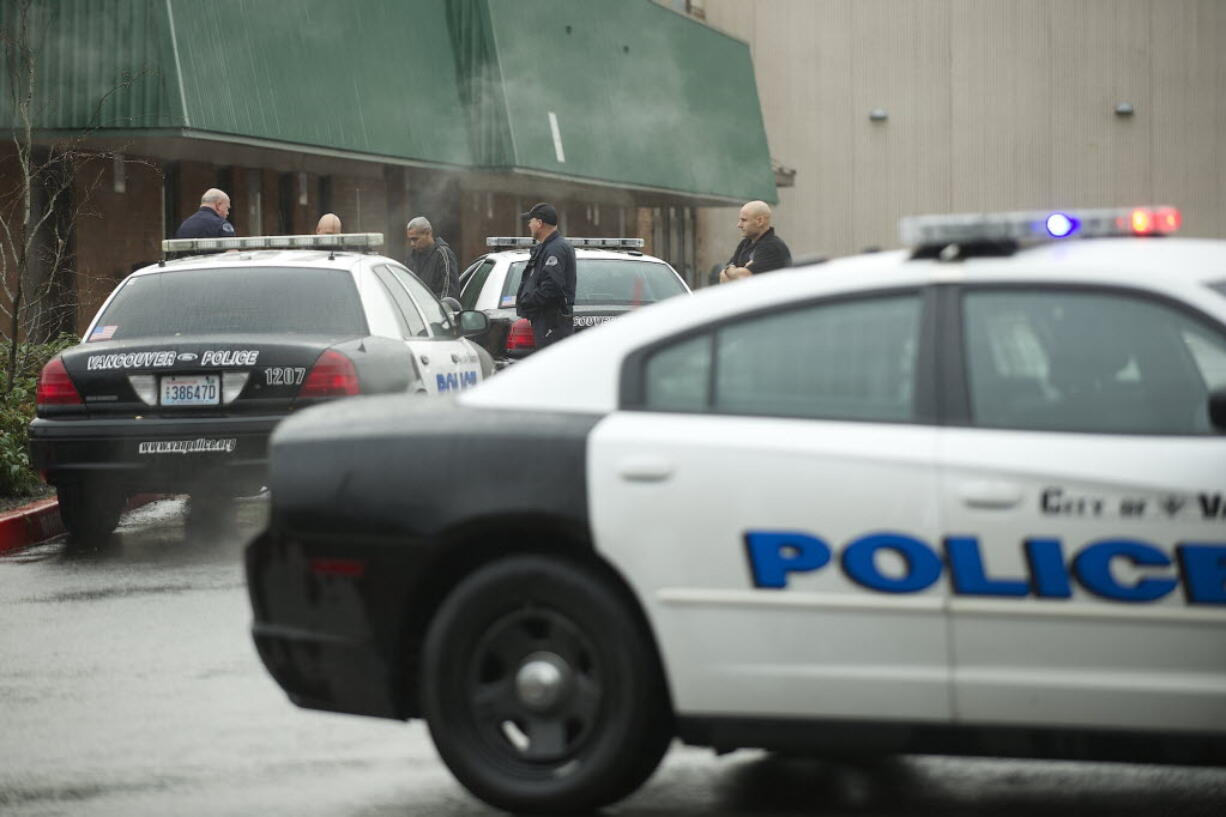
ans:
x=1037 y=225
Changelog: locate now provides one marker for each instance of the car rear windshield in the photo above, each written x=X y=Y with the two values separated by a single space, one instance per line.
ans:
x=246 y=300
x=612 y=281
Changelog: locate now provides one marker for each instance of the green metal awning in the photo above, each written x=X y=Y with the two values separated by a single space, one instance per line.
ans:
x=622 y=93
x=627 y=92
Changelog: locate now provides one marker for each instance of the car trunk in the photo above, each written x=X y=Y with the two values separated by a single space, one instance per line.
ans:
x=208 y=375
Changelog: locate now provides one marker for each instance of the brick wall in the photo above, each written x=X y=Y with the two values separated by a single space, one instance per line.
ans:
x=115 y=231
x=361 y=204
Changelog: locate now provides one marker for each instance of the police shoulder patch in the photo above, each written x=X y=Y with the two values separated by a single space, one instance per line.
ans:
x=551 y=261
x=227 y=228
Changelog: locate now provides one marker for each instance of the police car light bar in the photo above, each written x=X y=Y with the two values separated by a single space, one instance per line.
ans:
x=510 y=242
x=275 y=242
x=1038 y=225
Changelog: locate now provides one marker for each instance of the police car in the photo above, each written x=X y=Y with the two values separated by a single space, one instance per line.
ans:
x=612 y=277
x=190 y=363
x=969 y=497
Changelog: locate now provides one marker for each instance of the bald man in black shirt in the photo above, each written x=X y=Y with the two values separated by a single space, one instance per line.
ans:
x=760 y=250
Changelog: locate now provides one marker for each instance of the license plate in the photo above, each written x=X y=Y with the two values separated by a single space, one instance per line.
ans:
x=191 y=390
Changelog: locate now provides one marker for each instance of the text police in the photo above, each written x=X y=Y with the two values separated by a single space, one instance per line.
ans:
x=1199 y=567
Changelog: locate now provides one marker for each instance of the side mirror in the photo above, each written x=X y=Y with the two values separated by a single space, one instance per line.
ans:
x=1217 y=409
x=473 y=322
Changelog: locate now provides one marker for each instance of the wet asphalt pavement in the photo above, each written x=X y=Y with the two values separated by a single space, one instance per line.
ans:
x=129 y=686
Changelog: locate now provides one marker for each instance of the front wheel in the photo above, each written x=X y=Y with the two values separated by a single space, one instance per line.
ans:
x=541 y=689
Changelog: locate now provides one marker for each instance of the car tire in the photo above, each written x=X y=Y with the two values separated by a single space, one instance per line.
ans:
x=541 y=689
x=90 y=511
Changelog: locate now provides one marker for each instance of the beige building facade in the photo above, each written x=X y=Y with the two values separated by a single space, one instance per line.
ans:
x=886 y=108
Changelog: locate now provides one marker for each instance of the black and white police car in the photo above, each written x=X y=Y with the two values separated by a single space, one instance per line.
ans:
x=964 y=498
x=612 y=277
x=190 y=363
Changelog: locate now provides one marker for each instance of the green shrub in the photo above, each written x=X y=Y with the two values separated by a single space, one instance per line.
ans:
x=17 y=410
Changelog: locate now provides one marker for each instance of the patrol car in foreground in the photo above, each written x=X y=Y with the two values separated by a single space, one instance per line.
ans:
x=612 y=277
x=190 y=363
x=964 y=498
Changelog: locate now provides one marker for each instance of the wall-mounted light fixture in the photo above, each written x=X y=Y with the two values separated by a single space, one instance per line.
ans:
x=878 y=115
x=1124 y=109
x=119 y=173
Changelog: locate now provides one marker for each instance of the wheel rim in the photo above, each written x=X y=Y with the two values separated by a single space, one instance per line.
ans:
x=535 y=688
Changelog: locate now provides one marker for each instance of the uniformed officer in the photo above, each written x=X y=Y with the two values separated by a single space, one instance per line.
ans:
x=210 y=220
x=546 y=294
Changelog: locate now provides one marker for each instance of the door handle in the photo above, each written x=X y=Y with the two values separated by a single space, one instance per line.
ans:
x=645 y=469
x=990 y=496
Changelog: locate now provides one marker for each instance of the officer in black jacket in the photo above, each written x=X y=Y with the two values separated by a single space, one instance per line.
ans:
x=210 y=220
x=546 y=294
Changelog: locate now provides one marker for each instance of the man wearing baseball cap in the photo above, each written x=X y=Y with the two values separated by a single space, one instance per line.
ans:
x=546 y=294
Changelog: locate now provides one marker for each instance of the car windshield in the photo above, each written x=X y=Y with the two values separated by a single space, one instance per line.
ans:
x=244 y=300
x=631 y=282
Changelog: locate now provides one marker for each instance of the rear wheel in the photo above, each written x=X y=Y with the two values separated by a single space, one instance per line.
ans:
x=541 y=689
x=90 y=510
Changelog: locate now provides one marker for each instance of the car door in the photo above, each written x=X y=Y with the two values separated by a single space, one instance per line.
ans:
x=769 y=491
x=1083 y=492
x=459 y=366
x=446 y=363
x=473 y=281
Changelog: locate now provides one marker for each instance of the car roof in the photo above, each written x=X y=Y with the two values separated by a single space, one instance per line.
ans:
x=319 y=259
x=580 y=252
x=591 y=359
x=1134 y=261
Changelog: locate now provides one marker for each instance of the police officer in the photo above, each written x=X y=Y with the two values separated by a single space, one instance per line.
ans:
x=546 y=294
x=210 y=220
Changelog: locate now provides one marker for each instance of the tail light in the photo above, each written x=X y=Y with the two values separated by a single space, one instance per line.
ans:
x=55 y=387
x=333 y=375
x=520 y=337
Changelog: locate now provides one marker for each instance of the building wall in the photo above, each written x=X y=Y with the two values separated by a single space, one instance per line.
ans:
x=121 y=226
x=118 y=229
x=991 y=104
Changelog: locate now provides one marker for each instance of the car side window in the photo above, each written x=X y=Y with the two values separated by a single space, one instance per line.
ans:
x=1065 y=360
x=471 y=290
x=413 y=325
x=851 y=360
x=678 y=377
x=436 y=317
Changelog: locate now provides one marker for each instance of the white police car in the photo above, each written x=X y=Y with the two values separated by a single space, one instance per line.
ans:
x=612 y=277
x=190 y=364
x=964 y=498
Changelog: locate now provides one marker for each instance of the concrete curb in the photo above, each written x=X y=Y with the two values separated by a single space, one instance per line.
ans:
x=39 y=521
x=29 y=525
